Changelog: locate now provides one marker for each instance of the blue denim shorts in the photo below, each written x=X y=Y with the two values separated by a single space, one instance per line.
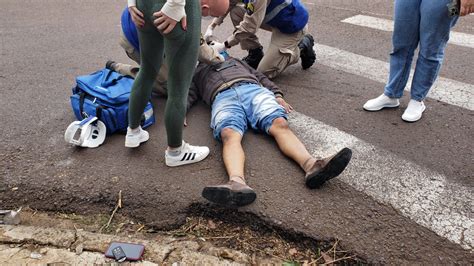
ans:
x=243 y=105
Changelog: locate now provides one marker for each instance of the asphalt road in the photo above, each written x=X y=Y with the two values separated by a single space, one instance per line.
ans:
x=45 y=44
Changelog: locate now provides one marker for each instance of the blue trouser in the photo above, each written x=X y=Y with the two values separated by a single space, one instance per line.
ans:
x=423 y=22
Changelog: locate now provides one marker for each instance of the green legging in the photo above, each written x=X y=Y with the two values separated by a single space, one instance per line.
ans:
x=181 y=49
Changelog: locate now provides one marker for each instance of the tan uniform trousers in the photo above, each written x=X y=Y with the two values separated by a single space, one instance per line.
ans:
x=159 y=87
x=282 y=52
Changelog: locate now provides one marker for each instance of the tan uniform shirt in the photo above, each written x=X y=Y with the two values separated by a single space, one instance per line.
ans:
x=250 y=23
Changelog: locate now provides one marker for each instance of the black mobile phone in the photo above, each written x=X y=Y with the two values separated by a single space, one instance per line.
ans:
x=131 y=252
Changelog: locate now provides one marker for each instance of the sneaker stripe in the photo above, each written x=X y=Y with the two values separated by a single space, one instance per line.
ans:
x=194 y=155
x=184 y=156
x=189 y=156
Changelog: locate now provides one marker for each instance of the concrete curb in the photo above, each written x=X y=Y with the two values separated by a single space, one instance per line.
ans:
x=38 y=245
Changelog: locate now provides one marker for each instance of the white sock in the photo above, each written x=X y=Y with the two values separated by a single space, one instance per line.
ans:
x=133 y=131
x=175 y=151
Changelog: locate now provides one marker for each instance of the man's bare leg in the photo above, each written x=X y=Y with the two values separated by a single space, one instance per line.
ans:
x=235 y=192
x=233 y=154
x=318 y=171
x=289 y=144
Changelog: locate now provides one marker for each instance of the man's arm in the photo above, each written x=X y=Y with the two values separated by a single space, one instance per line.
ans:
x=267 y=83
x=250 y=23
x=219 y=20
x=193 y=96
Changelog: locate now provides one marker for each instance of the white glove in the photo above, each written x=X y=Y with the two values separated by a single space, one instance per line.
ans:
x=219 y=47
x=209 y=32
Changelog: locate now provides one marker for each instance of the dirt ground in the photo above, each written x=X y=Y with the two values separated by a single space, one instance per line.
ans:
x=231 y=230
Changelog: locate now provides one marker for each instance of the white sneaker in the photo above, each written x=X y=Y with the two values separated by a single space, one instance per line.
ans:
x=133 y=139
x=414 y=111
x=381 y=102
x=189 y=154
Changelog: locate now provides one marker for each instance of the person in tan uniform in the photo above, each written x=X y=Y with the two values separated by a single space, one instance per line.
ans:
x=286 y=19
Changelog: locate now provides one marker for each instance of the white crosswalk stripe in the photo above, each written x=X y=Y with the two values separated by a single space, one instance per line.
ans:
x=445 y=90
x=418 y=193
x=457 y=38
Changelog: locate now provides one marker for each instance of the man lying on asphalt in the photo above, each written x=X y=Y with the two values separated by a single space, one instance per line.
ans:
x=240 y=96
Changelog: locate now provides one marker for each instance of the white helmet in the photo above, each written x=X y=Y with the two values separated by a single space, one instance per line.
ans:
x=90 y=132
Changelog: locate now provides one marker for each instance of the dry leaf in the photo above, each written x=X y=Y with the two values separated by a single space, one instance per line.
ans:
x=292 y=251
x=211 y=224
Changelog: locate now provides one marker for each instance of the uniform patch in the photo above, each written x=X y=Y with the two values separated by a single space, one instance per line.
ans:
x=249 y=7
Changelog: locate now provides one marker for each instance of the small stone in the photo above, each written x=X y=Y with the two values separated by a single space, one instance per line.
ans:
x=35 y=255
x=211 y=224
x=79 y=249
x=43 y=251
x=292 y=251
x=15 y=189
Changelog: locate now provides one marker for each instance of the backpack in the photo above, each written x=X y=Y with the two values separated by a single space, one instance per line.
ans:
x=105 y=94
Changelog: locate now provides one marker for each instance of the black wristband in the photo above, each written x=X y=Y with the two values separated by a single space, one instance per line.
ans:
x=226 y=44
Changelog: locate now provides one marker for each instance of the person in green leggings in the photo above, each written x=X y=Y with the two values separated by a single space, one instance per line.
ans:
x=158 y=34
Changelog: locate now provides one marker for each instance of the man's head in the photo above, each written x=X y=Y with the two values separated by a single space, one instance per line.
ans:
x=208 y=55
x=214 y=8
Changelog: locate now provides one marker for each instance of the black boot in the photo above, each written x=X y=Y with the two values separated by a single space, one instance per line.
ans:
x=307 y=53
x=254 y=57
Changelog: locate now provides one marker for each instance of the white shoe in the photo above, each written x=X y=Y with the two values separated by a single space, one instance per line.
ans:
x=381 y=102
x=133 y=139
x=189 y=154
x=414 y=111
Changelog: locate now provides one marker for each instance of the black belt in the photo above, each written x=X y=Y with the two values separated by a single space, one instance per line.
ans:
x=240 y=83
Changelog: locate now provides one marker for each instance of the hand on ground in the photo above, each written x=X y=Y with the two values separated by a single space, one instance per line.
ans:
x=287 y=106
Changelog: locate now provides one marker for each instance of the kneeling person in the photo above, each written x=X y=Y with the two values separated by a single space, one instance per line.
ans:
x=240 y=96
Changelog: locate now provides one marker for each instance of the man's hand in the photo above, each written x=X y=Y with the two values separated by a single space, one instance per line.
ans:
x=166 y=24
x=282 y=102
x=218 y=47
x=467 y=7
x=137 y=16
